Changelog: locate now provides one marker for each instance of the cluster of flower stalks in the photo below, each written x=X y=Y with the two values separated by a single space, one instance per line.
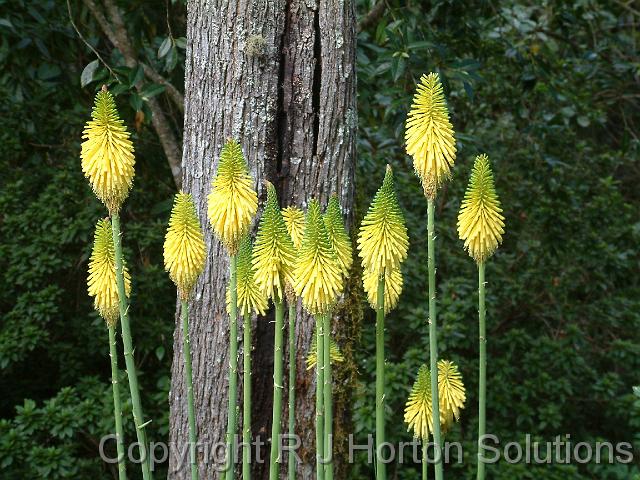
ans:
x=296 y=256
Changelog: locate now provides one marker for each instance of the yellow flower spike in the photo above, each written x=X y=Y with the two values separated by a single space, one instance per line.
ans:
x=273 y=255
x=338 y=236
x=101 y=281
x=451 y=393
x=233 y=201
x=294 y=219
x=318 y=280
x=184 y=248
x=480 y=222
x=392 y=288
x=429 y=137
x=107 y=153
x=312 y=358
x=383 y=240
x=250 y=297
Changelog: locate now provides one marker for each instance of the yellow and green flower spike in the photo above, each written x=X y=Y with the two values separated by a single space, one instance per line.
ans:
x=312 y=358
x=184 y=248
x=294 y=219
x=250 y=297
x=418 y=412
x=383 y=240
x=107 y=153
x=233 y=201
x=480 y=221
x=451 y=393
x=273 y=255
x=318 y=278
x=429 y=136
x=101 y=282
x=392 y=288
x=338 y=236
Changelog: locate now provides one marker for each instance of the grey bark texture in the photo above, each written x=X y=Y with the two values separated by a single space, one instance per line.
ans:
x=279 y=76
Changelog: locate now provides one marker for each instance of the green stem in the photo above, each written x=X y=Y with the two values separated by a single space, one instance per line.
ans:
x=319 y=398
x=232 y=419
x=246 y=399
x=117 y=407
x=433 y=342
x=188 y=377
x=276 y=420
x=483 y=370
x=328 y=399
x=424 y=460
x=292 y=384
x=127 y=341
x=381 y=468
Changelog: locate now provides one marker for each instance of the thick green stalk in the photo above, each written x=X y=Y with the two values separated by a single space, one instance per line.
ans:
x=292 y=384
x=276 y=419
x=117 y=407
x=188 y=377
x=483 y=370
x=381 y=468
x=319 y=398
x=433 y=341
x=328 y=400
x=232 y=419
x=424 y=459
x=246 y=399
x=127 y=342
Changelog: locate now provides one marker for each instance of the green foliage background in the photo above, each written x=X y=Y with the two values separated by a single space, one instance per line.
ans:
x=548 y=89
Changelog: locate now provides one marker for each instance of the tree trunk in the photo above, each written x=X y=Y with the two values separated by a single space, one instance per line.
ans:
x=278 y=75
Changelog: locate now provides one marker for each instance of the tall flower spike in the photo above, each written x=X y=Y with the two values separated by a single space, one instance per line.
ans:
x=102 y=274
x=318 y=280
x=107 y=153
x=480 y=222
x=392 y=288
x=451 y=393
x=383 y=240
x=273 y=252
x=429 y=136
x=418 y=412
x=338 y=236
x=233 y=201
x=294 y=219
x=250 y=297
x=184 y=248
x=312 y=357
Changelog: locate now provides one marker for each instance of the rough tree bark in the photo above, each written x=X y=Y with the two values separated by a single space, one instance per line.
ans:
x=278 y=75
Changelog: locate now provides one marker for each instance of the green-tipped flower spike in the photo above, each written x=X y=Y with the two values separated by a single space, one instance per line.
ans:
x=233 y=201
x=107 y=153
x=294 y=219
x=392 y=288
x=250 y=297
x=102 y=274
x=451 y=393
x=383 y=240
x=338 y=236
x=480 y=222
x=418 y=412
x=429 y=136
x=273 y=252
x=318 y=280
x=312 y=358
x=184 y=248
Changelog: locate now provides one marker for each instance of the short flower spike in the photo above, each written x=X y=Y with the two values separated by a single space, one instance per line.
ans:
x=418 y=412
x=101 y=282
x=451 y=393
x=107 y=153
x=273 y=255
x=318 y=280
x=250 y=297
x=392 y=288
x=383 y=240
x=312 y=357
x=233 y=202
x=480 y=222
x=294 y=219
x=429 y=136
x=338 y=236
x=184 y=248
